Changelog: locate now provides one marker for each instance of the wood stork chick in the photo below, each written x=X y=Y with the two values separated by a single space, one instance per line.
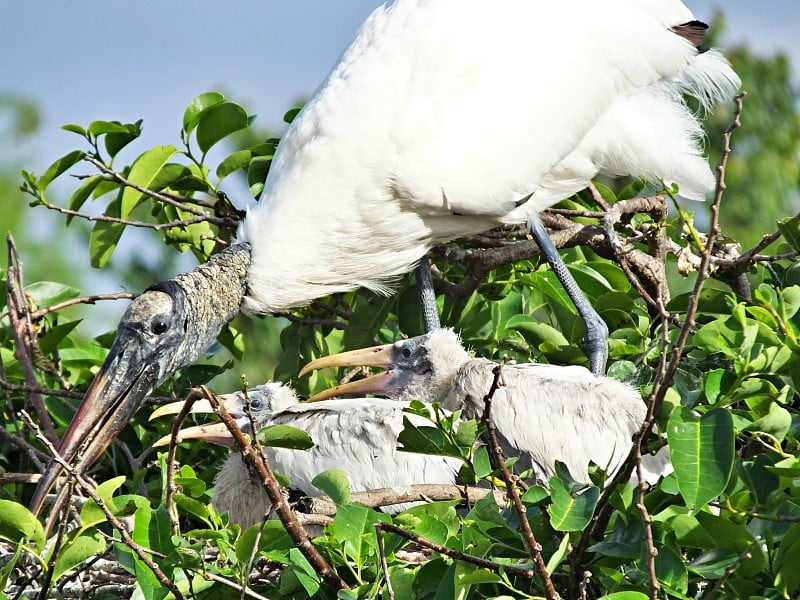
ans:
x=544 y=412
x=358 y=436
x=441 y=119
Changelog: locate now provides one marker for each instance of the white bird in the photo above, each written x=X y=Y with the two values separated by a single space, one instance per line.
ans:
x=358 y=436
x=544 y=412
x=442 y=118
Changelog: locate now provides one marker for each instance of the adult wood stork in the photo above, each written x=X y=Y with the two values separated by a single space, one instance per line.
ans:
x=441 y=119
x=358 y=436
x=544 y=412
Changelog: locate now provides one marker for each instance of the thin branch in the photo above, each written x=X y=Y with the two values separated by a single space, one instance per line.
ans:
x=413 y=493
x=24 y=339
x=175 y=201
x=511 y=486
x=458 y=555
x=285 y=513
x=115 y=523
x=38 y=314
x=384 y=565
x=132 y=223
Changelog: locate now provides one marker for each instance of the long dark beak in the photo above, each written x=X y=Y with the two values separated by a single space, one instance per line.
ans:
x=214 y=433
x=115 y=394
x=376 y=356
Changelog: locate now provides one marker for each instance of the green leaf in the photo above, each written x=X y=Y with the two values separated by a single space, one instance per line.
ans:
x=219 y=122
x=285 y=436
x=790 y=228
x=197 y=106
x=101 y=127
x=104 y=237
x=116 y=141
x=573 y=504
x=47 y=293
x=786 y=561
x=61 y=165
x=335 y=484
x=234 y=162
x=83 y=548
x=144 y=171
x=290 y=114
x=702 y=452
x=80 y=196
x=257 y=174
x=72 y=128
x=625 y=596
x=17 y=524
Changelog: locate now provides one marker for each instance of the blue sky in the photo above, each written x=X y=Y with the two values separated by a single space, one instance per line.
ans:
x=129 y=59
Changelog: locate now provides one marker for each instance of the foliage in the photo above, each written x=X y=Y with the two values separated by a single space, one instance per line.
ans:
x=727 y=519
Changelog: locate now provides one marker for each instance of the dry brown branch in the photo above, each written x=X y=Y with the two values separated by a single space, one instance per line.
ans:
x=475 y=560
x=496 y=455
x=388 y=496
x=24 y=338
x=131 y=222
x=38 y=314
x=284 y=511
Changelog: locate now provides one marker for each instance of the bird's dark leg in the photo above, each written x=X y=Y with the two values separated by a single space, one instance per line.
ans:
x=427 y=296
x=596 y=337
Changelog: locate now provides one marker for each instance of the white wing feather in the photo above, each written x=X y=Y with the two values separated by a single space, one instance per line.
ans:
x=358 y=436
x=442 y=114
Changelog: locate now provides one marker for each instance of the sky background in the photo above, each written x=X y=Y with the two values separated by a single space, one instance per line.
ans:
x=127 y=60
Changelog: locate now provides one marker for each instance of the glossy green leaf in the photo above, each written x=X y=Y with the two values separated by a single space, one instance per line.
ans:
x=144 y=172
x=104 y=237
x=218 y=122
x=83 y=548
x=234 y=162
x=573 y=504
x=790 y=228
x=787 y=560
x=335 y=483
x=702 y=452
x=80 y=195
x=197 y=106
x=91 y=513
x=285 y=436
x=17 y=524
x=61 y=165
x=47 y=293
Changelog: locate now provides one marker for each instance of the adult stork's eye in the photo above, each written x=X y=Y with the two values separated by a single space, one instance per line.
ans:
x=159 y=326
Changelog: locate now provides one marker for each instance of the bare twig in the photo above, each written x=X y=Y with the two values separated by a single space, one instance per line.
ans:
x=458 y=555
x=284 y=511
x=511 y=486
x=38 y=314
x=384 y=565
x=412 y=493
x=24 y=339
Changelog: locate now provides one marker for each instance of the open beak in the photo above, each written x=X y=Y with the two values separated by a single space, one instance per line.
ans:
x=214 y=433
x=114 y=396
x=376 y=356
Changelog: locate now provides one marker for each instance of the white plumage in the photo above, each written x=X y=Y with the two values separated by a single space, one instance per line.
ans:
x=358 y=436
x=442 y=115
x=544 y=412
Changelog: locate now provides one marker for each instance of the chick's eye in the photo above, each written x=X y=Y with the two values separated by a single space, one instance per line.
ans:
x=255 y=403
x=158 y=326
x=405 y=352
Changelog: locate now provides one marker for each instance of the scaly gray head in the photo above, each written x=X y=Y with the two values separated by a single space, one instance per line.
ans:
x=168 y=327
x=421 y=368
x=264 y=400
